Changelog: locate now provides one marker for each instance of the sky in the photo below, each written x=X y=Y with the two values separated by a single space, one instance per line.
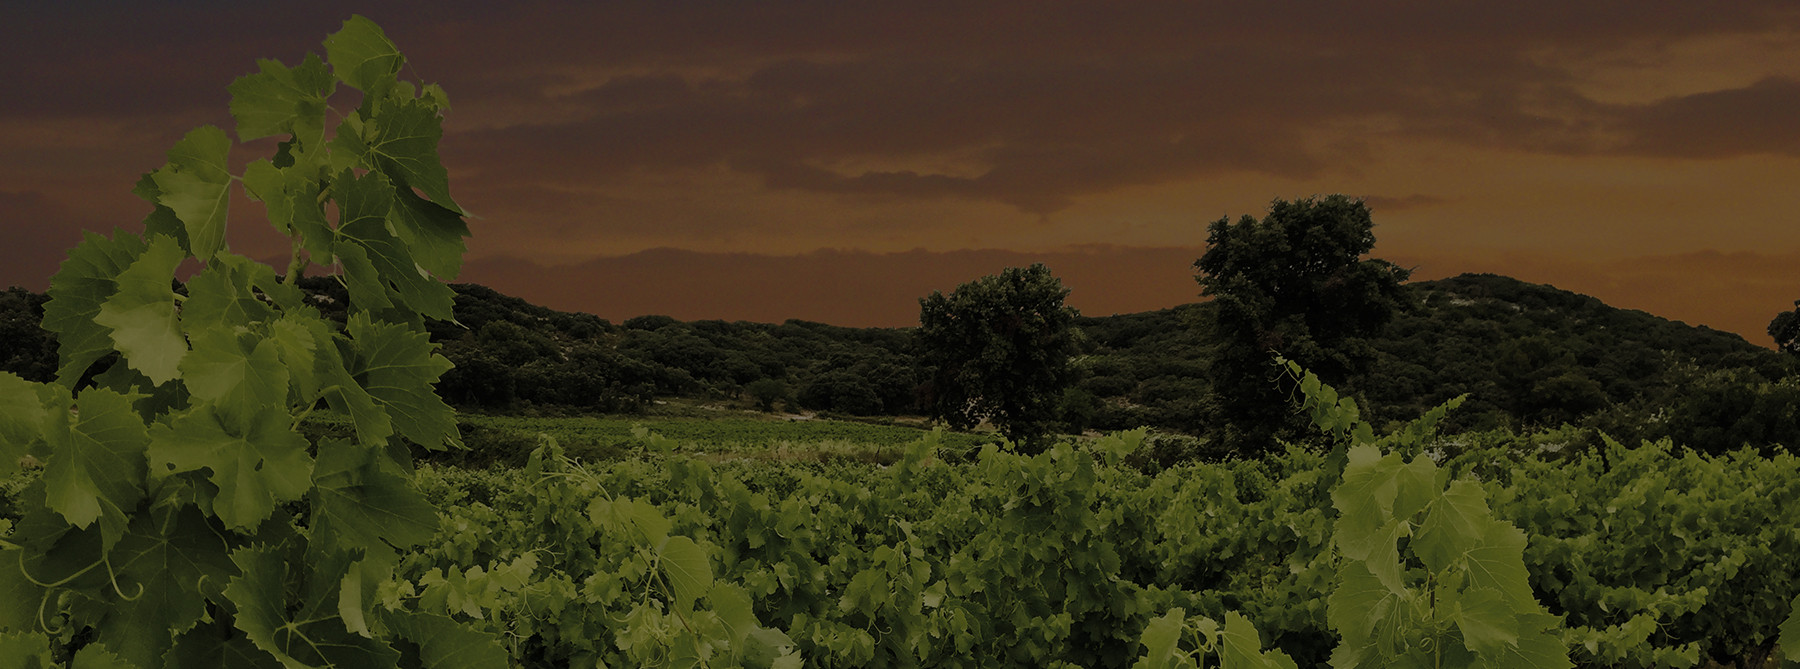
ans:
x=835 y=161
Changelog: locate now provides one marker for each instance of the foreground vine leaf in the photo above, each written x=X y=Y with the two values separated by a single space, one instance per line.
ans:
x=181 y=519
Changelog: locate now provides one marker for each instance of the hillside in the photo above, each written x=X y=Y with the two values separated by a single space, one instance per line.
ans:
x=1528 y=355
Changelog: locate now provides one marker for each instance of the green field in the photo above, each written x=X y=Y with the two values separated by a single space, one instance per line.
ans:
x=507 y=439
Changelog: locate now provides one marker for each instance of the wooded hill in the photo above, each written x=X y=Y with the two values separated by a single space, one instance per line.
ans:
x=1528 y=355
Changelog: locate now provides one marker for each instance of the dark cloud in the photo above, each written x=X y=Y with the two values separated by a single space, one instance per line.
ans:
x=671 y=123
x=1763 y=117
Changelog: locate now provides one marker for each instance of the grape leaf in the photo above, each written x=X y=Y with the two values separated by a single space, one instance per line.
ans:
x=1456 y=523
x=405 y=147
x=1243 y=647
x=685 y=566
x=1790 y=631
x=362 y=56
x=358 y=504
x=280 y=99
x=446 y=644
x=254 y=469
x=221 y=294
x=96 y=467
x=385 y=262
x=342 y=391
x=239 y=372
x=168 y=559
x=1162 y=637
x=141 y=313
x=298 y=351
x=22 y=418
x=266 y=183
x=1499 y=563
x=1486 y=620
x=25 y=650
x=86 y=280
x=397 y=367
x=432 y=233
x=306 y=640
x=195 y=184
x=1360 y=603
x=161 y=220
x=216 y=645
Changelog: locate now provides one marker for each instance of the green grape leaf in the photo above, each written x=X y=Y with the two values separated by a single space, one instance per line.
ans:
x=316 y=235
x=385 y=262
x=98 y=656
x=239 y=372
x=96 y=467
x=195 y=184
x=432 y=233
x=735 y=610
x=22 y=417
x=308 y=640
x=254 y=469
x=142 y=316
x=685 y=566
x=359 y=504
x=1365 y=495
x=1790 y=631
x=221 y=294
x=446 y=644
x=1162 y=637
x=87 y=278
x=1486 y=620
x=171 y=560
x=25 y=650
x=298 y=351
x=362 y=56
x=1535 y=650
x=405 y=148
x=1243 y=647
x=161 y=220
x=210 y=647
x=342 y=390
x=280 y=99
x=1359 y=603
x=266 y=183
x=397 y=367
x=1500 y=564
x=1455 y=524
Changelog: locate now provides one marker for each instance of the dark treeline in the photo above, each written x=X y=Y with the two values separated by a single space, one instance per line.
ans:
x=1528 y=355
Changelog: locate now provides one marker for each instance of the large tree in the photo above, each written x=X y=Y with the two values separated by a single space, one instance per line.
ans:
x=1295 y=284
x=1786 y=330
x=1000 y=349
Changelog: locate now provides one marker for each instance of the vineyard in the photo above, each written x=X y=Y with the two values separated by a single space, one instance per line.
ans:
x=178 y=498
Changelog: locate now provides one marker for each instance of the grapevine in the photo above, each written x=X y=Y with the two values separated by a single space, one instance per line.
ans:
x=180 y=519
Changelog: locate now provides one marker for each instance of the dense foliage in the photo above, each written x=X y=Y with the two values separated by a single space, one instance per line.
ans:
x=998 y=349
x=178 y=519
x=1293 y=284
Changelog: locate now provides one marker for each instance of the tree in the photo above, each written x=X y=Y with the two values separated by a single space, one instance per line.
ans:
x=1000 y=350
x=1786 y=330
x=1294 y=284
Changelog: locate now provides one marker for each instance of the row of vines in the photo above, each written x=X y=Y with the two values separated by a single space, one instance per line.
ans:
x=173 y=514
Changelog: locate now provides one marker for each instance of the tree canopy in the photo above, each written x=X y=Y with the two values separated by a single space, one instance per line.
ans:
x=1786 y=330
x=1000 y=350
x=1293 y=283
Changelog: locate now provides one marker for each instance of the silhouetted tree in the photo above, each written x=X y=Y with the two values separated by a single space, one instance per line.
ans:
x=1000 y=349
x=1294 y=284
x=1786 y=330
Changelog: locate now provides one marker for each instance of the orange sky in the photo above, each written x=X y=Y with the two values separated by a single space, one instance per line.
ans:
x=835 y=161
